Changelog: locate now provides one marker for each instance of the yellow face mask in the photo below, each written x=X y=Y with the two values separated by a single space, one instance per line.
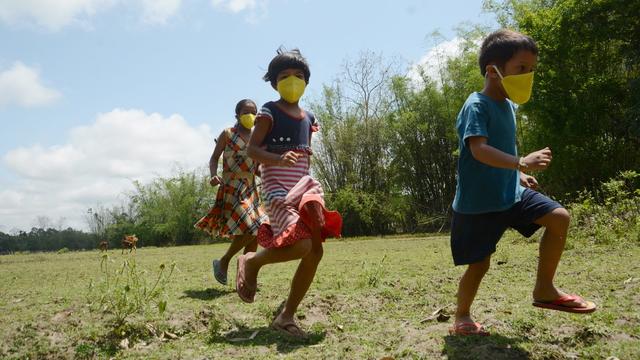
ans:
x=291 y=88
x=247 y=120
x=518 y=87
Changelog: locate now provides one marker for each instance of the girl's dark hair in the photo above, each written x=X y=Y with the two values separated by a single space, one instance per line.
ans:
x=242 y=103
x=286 y=59
x=500 y=46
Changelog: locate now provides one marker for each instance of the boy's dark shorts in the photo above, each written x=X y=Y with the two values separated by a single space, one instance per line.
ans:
x=474 y=236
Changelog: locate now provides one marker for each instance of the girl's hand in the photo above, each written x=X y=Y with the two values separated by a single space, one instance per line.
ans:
x=215 y=180
x=528 y=181
x=538 y=160
x=288 y=159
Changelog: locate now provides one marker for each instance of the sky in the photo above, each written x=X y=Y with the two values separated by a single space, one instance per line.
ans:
x=95 y=94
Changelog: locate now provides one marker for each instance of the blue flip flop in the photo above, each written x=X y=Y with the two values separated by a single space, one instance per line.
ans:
x=218 y=274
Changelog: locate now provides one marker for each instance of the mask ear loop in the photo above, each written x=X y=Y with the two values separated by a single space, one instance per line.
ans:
x=498 y=71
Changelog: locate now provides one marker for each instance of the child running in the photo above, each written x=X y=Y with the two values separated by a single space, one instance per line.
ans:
x=493 y=190
x=299 y=222
x=237 y=212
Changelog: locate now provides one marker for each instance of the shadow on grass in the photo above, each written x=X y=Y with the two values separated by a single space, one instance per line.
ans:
x=266 y=336
x=484 y=347
x=207 y=294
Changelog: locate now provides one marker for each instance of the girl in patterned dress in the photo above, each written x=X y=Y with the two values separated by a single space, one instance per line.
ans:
x=299 y=222
x=237 y=212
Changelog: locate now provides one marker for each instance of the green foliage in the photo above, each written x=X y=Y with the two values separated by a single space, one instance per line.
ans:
x=127 y=289
x=586 y=99
x=167 y=208
x=372 y=276
x=610 y=214
x=366 y=213
x=47 y=240
x=386 y=153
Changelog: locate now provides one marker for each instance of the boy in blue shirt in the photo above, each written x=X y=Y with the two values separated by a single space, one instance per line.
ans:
x=493 y=190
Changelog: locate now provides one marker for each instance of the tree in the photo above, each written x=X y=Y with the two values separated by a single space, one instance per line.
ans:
x=586 y=99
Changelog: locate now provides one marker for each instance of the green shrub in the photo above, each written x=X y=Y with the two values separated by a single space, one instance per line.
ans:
x=612 y=213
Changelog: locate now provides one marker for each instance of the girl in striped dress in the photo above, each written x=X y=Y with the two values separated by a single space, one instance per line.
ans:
x=299 y=222
x=237 y=212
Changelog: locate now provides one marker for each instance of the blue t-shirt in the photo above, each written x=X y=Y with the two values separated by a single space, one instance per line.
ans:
x=287 y=132
x=482 y=188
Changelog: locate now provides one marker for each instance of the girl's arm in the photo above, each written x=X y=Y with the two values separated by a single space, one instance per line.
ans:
x=255 y=150
x=215 y=157
x=488 y=155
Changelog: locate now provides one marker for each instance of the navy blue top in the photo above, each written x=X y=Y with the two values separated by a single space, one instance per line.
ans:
x=287 y=132
x=482 y=188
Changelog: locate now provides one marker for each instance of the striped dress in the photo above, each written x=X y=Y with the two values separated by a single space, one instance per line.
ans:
x=237 y=209
x=286 y=190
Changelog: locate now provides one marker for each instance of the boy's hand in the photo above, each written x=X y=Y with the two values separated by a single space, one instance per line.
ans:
x=528 y=181
x=288 y=159
x=538 y=160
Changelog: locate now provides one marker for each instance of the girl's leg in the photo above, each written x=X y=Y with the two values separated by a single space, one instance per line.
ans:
x=468 y=287
x=252 y=246
x=255 y=260
x=302 y=279
x=239 y=241
x=304 y=274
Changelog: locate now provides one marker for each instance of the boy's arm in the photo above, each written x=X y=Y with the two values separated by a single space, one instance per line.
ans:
x=488 y=155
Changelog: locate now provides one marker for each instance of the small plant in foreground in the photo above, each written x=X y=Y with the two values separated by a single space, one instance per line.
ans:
x=126 y=290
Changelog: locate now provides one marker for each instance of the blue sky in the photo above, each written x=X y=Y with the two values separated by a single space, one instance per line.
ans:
x=174 y=69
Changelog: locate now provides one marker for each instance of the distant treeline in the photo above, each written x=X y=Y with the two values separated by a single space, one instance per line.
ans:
x=47 y=240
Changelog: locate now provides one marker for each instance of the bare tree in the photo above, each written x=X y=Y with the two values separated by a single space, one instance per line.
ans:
x=43 y=222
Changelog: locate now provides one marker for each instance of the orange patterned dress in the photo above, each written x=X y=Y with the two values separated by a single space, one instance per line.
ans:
x=237 y=209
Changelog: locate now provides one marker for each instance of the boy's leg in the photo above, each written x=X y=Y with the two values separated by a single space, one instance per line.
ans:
x=556 y=224
x=467 y=289
x=473 y=239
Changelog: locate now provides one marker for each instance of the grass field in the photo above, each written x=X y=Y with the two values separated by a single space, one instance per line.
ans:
x=372 y=298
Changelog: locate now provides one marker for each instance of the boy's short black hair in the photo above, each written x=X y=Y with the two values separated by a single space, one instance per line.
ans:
x=286 y=59
x=500 y=46
x=242 y=103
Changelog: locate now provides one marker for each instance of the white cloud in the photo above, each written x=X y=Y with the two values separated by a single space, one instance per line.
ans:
x=235 y=5
x=159 y=11
x=97 y=164
x=56 y=14
x=21 y=85
x=51 y=14
x=434 y=62
x=254 y=8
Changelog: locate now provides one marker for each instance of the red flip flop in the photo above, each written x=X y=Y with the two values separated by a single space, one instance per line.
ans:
x=468 y=328
x=560 y=304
